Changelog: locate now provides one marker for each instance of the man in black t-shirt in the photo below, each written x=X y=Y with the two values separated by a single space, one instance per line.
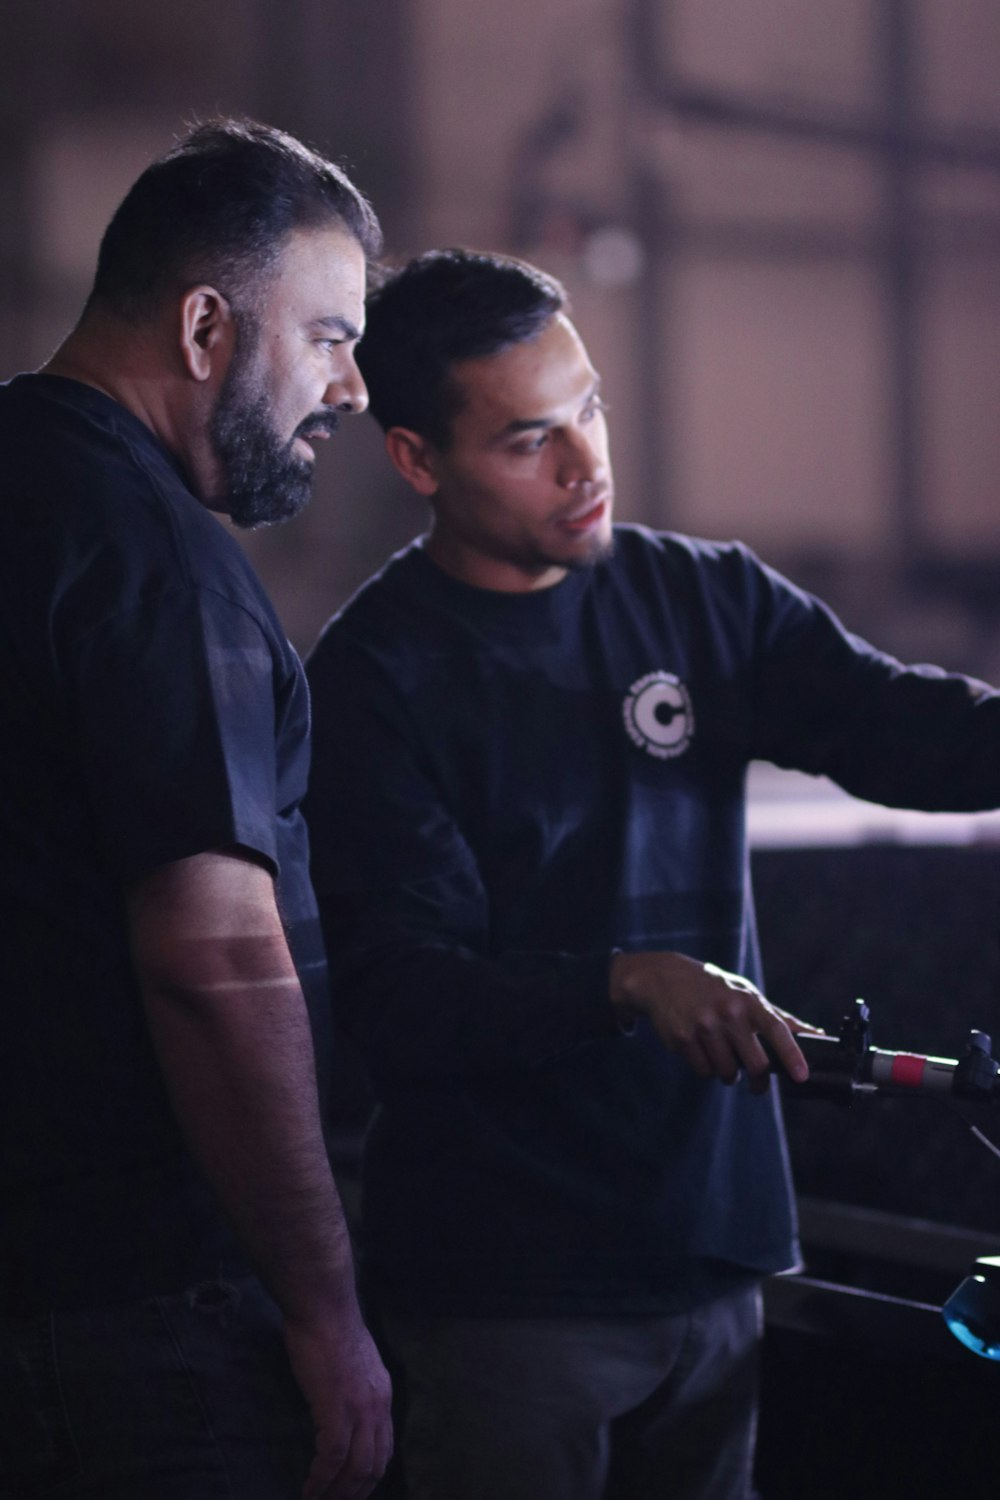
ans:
x=161 y=970
x=527 y=812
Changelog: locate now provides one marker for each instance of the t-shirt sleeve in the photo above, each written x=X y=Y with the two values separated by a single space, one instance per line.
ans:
x=416 y=975
x=173 y=707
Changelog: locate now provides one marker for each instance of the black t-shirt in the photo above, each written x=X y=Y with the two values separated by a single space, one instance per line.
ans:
x=150 y=709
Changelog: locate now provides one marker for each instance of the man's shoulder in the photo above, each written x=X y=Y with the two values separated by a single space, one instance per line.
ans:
x=671 y=560
x=73 y=454
x=635 y=543
x=386 y=613
x=95 y=554
x=100 y=497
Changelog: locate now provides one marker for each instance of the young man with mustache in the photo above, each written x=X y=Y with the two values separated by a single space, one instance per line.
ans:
x=531 y=736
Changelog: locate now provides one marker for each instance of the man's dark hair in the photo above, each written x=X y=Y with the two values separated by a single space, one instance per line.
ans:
x=217 y=209
x=443 y=307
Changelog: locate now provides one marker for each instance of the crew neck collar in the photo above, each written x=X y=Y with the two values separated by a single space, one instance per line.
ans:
x=498 y=605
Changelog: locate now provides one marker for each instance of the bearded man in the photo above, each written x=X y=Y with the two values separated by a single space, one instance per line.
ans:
x=161 y=966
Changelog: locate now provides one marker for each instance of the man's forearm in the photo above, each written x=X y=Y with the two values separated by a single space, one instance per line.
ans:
x=229 y=1023
x=230 y=1027
x=239 y=1068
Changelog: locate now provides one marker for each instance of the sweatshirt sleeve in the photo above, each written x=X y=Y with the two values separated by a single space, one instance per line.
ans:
x=406 y=917
x=826 y=702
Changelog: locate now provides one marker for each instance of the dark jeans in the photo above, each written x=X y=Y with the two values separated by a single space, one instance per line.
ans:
x=181 y=1397
x=657 y=1408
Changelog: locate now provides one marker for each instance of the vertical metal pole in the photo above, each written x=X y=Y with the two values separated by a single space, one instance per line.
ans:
x=901 y=276
x=651 y=218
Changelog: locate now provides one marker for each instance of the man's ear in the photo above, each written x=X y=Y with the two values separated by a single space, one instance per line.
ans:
x=206 y=330
x=414 y=457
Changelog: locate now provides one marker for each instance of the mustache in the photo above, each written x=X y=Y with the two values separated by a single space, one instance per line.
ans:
x=321 y=423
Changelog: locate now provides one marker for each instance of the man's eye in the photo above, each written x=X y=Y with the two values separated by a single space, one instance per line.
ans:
x=530 y=445
x=592 y=408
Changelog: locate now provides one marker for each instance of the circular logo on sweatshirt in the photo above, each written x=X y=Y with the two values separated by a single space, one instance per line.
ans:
x=658 y=715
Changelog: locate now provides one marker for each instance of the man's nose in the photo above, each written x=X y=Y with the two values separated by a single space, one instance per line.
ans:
x=347 y=392
x=582 y=462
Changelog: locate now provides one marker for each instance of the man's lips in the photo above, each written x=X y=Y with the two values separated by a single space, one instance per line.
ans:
x=313 y=429
x=585 y=516
x=321 y=427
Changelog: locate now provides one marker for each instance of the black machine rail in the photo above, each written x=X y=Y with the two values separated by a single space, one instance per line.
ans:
x=844 y=1066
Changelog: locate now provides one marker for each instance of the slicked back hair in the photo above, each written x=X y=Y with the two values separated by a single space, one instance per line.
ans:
x=216 y=210
x=444 y=307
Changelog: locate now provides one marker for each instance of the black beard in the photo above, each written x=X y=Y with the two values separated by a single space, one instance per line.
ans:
x=264 y=481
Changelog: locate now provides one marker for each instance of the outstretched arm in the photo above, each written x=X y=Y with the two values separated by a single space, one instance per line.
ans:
x=230 y=1028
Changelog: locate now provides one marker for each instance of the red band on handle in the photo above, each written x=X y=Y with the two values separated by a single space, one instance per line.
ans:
x=908 y=1072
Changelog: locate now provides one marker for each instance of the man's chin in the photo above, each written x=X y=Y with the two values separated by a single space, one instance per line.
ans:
x=591 y=550
x=252 y=510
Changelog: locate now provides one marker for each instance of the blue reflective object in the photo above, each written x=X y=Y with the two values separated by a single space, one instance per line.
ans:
x=972 y=1312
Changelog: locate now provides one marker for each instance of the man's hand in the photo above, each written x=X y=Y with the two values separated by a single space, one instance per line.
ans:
x=715 y=1020
x=347 y=1387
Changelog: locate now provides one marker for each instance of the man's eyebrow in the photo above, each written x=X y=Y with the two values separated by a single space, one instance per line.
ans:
x=532 y=424
x=525 y=424
x=338 y=324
